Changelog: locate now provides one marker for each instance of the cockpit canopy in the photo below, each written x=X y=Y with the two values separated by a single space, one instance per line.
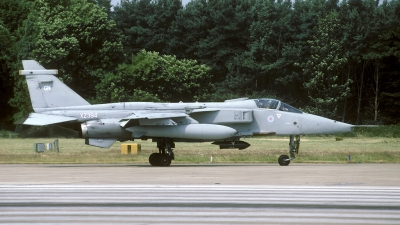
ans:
x=266 y=103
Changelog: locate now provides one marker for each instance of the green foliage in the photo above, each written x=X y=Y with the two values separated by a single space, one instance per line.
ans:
x=74 y=36
x=389 y=131
x=78 y=39
x=227 y=34
x=106 y=5
x=146 y=24
x=266 y=59
x=13 y=13
x=151 y=77
x=6 y=56
x=304 y=52
x=325 y=68
x=190 y=26
x=46 y=132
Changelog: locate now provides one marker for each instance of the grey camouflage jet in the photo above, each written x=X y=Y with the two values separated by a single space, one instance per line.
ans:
x=222 y=123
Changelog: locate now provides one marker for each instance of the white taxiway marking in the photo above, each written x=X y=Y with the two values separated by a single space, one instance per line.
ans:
x=198 y=204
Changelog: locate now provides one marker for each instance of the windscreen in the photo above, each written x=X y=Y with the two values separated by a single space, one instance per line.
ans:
x=287 y=108
x=266 y=103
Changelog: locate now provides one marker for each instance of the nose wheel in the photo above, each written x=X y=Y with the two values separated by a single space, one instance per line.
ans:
x=283 y=160
x=294 y=145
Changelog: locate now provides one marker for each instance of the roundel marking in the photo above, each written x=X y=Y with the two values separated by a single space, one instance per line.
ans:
x=270 y=119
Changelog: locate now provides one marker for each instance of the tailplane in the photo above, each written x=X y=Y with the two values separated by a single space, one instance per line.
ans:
x=46 y=90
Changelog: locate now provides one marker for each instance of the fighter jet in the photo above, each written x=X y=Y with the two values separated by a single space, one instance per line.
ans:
x=222 y=123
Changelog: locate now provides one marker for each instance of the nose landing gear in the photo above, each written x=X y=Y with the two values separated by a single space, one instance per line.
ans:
x=294 y=145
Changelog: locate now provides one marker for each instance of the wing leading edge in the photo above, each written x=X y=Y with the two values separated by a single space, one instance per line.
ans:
x=158 y=119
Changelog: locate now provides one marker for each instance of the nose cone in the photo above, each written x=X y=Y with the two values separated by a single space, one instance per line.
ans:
x=312 y=124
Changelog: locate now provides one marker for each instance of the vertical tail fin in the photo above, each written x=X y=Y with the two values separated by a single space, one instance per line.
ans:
x=46 y=90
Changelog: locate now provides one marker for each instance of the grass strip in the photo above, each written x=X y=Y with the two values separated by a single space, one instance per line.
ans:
x=262 y=150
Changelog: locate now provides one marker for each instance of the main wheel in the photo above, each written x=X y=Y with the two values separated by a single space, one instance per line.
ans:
x=164 y=160
x=154 y=159
x=282 y=161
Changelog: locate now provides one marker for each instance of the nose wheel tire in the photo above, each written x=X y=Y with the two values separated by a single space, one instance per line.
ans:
x=283 y=160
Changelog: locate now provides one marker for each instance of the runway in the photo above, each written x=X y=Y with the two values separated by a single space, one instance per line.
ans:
x=80 y=195
x=199 y=205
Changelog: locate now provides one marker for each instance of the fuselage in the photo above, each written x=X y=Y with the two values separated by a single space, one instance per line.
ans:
x=248 y=117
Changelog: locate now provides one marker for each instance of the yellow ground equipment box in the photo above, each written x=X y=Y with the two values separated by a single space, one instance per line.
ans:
x=130 y=148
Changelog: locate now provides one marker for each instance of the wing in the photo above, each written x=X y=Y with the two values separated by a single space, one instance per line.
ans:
x=37 y=119
x=156 y=115
x=155 y=118
x=205 y=110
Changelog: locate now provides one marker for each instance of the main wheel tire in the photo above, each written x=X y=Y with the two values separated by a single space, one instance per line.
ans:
x=164 y=160
x=154 y=159
x=282 y=161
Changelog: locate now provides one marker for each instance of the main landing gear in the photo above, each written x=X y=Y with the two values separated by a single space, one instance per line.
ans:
x=165 y=155
x=294 y=145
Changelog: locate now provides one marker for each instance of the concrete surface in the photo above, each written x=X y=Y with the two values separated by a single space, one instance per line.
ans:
x=200 y=194
x=227 y=174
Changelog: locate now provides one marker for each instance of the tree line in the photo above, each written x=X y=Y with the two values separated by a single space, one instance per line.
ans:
x=335 y=59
